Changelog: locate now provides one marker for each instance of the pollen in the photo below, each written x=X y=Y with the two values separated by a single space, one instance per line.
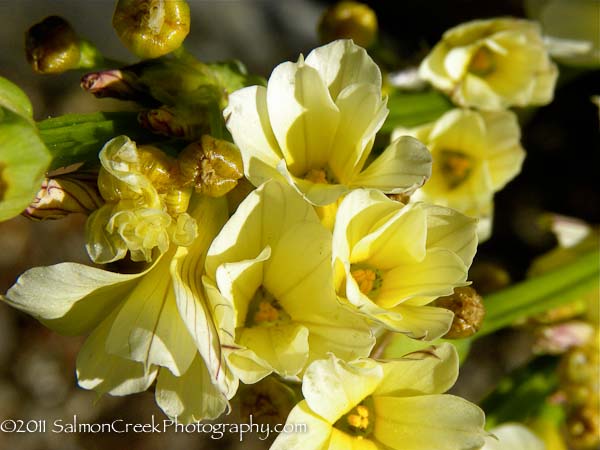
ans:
x=358 y=418
x=318 y=176
x=266 y=313
x=482 y=63
x=369 y=279
x=455 y=167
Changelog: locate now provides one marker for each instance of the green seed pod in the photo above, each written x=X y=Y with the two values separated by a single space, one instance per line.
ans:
x=349 y=20
x=152 y=28
x=52 y=46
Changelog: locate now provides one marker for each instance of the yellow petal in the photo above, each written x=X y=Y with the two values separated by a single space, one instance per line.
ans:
x=400 y=239
x=106 y=373
x=332 y=387
x=191 y=397
x=440 y=422
x=148 y=327
x=343 y=63
x=436 y=275
x=451 y=230
x=192 y=304
x=100 y=245
x=254 y=226
x=70 y=308
x=282 y=349
x=247 y=120
x=314 y=437
x=403 y=166
x=343 y=441
x=303 y=116
x=513 y=436
x=432 y=371
x=318 y=194
x=362 y=113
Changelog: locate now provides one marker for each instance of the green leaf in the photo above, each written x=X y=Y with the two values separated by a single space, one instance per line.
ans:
x=409 y=109
x=14 y=99
x=24 y=158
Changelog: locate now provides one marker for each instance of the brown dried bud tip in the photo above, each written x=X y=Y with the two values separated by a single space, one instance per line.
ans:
x=212 y=166
x=583 y=426
x=112 y=83
x=61 y=196
x=52 y=46
x=468 y=309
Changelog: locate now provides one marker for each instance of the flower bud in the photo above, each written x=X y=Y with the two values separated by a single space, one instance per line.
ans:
x=61 y=196
x=52 y=46
x=116 y=83
x=557 y=339
x=168 y=121
x=349 y=20
x=212 y=166
x=468 y=310
x=152 y=28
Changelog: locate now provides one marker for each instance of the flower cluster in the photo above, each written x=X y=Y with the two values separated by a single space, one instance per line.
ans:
x=488 y=65
x=274 y=289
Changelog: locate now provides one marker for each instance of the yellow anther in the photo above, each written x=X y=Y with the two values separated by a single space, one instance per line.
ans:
x=482 y=62
x=365 y=279
x=455 y=167
x=354 y=420
x=318 y=176
x=266 y=313
x=362 y=411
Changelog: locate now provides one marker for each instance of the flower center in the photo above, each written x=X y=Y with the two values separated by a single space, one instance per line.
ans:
x=265 y=310
x=320 y=176
x=455 y=167
x=368 y=278
x=482 y=63
x=359 y=421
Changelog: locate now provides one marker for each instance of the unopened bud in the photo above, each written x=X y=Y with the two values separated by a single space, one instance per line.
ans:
x=115 y=84
x=349 y=20
x=61 y=196
x=212 y=166
x=468 y=310
x=52 y=46
x=152 y=28
x=168 y=121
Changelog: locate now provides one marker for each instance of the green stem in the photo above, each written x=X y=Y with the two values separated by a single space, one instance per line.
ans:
x=541 y=293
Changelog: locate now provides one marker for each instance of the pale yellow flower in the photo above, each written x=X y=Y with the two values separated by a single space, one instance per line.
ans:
x=145 y=207
x=474 y=155
x=395 y=405
x=269 y=279
x=392 y=259
x=315 y=123
x=153 y=325
x=513 y=436
x=492 y=64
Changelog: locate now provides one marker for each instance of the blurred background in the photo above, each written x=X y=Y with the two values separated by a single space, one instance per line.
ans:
x=560 y=175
